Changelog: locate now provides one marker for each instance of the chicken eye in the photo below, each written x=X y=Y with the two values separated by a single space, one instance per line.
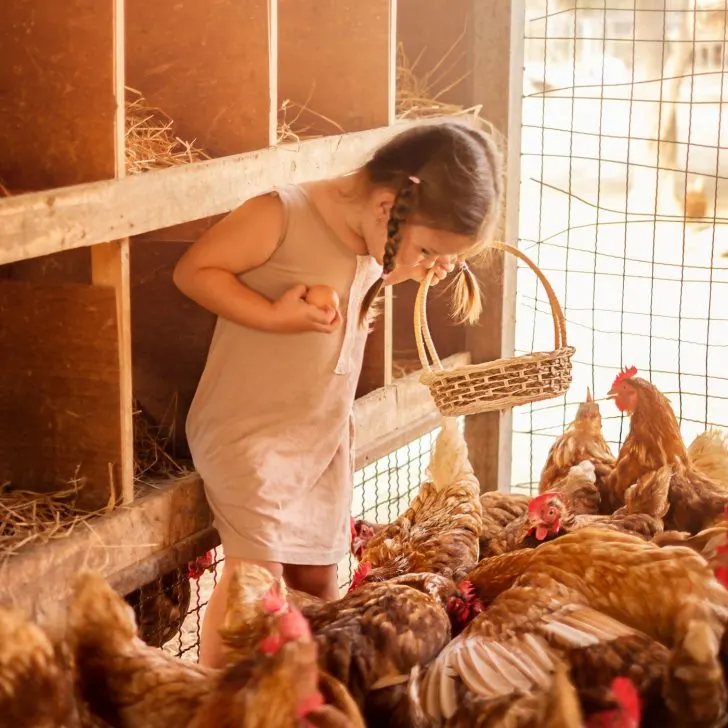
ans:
x=551 y=512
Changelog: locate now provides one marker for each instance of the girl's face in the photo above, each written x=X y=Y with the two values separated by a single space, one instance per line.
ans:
x=420 y=245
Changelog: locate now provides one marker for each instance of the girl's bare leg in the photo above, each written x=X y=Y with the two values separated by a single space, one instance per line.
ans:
x=319 y=581
x=211 y=648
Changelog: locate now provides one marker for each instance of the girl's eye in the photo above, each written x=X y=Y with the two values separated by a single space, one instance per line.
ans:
x=425 y=252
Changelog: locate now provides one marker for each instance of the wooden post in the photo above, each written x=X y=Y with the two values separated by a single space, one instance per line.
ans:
x=497 y=35
x=110 y=267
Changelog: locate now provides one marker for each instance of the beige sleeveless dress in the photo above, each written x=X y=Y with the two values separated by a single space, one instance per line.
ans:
x=270 y=428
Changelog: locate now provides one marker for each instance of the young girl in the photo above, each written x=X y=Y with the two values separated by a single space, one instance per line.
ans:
x=270 y=428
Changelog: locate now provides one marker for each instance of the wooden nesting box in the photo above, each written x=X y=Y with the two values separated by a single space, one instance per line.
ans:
x=91 y=322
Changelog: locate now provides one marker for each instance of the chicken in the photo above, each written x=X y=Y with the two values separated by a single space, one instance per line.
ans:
x=582 y=440
x=361 y=533
x=576 y=492
x=591 y=587
x=555 y=707
x=654 y=452
x=439 y=533
x=125 y=681
x=278 y=685
x=706 y=542
x=371 y=638
x=709 y=454
x=550 y=516
x=249 y=615
x=505 y=525
x=36 y=678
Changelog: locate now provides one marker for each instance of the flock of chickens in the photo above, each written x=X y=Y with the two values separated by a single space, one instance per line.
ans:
x=599 y=602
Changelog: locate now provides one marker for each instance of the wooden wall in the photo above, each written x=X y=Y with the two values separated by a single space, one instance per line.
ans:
x=87 y=251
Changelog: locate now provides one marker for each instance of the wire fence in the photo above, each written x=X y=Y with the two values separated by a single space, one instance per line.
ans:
x=169 y=610
x=624 y=204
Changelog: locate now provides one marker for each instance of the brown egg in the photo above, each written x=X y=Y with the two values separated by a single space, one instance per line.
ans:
x=323 y=297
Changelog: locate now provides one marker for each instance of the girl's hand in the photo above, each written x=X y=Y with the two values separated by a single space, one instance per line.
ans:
x=292 y=315
x=443 y=264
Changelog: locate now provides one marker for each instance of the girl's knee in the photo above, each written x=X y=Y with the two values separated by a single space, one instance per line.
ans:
x=316 y=580
x=231 y=563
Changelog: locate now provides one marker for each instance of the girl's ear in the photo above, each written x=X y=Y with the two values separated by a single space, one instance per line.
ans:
x=383 y=201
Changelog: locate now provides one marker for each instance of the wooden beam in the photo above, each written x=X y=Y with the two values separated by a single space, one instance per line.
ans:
x=497 y=84
x=389 y=417
x=172 y=524
x=40 y=223
x=109 y=544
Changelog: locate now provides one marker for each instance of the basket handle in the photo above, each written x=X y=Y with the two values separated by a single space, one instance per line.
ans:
x=423 y=337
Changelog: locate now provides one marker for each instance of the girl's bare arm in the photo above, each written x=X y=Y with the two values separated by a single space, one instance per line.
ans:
x=243 y=240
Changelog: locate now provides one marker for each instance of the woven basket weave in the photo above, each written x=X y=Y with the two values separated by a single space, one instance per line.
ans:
x=499 y=384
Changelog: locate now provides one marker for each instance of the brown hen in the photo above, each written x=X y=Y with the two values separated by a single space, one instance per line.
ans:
x=125 y=681
x=37 y=678
x=654 y=450
x=578 y=496
x=371 y=638
x=439 y=533
x=588 y=588
x=582 y=440
x=277 y=686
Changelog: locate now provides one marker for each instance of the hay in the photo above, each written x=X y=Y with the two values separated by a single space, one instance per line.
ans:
x=28 y=517
x=291 y=130
x=416 y=97
x=153 y=445
x=150 y=139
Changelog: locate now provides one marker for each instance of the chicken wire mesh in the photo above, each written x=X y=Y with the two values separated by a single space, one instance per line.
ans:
x=169 y=610
x=623 y=206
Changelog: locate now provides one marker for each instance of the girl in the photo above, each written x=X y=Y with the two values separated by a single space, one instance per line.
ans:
x=270 y=427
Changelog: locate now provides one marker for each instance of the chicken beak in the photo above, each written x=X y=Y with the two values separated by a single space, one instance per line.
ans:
x=589 y=395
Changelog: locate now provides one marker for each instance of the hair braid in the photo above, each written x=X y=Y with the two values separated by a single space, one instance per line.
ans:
x=401 y=210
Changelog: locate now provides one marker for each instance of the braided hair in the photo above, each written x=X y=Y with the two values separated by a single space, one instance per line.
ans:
x=401 y=209
x=447 y=176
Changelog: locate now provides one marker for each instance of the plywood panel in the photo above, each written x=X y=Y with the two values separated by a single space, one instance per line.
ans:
x=333 y=56
x=59 y=386
x=437 y=36
x=205 y=64
x=56 y=93
x=171 y=335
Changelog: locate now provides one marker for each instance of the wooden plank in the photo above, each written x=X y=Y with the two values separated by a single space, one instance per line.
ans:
x=497 y=84
x=57 y=103
x=110 y=544
x=59 y=387
x=41 y=223
x=110 y=267
x=206 y=65
x=343 y=45
x=382 y=415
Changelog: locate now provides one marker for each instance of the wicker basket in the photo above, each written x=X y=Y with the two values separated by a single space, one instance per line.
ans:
x=499 y=384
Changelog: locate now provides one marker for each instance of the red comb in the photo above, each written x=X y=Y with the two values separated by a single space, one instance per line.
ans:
x=537 y=500
x=360 y=574
x=626 y=373
x=353 y=527
x=628 y=698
